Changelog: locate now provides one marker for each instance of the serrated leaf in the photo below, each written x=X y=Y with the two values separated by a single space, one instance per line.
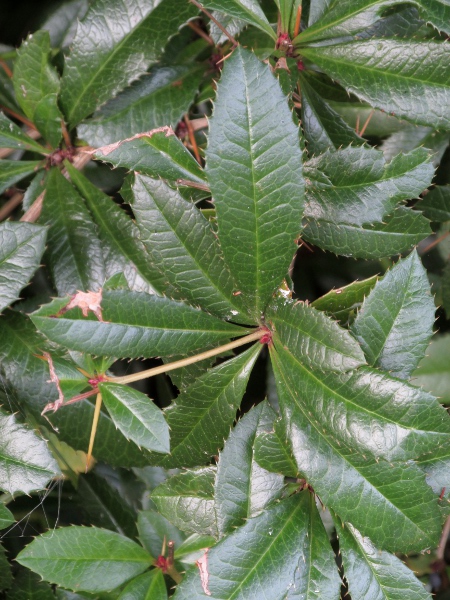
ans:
x=149 y=586
x=342 y=303
x=358 y=487
x=62 y=22
x=183 y=244
x=249 y=11
x=6 y=517
x=115 y=44
x=12 y=171
x=436 y=204
x=408 y=79
x=26 y=464
x=153 y=528
x=73 y=246
x=433 y=372
x=403 y=229
x=243 y=488
x=273 y=453
x=202 y=415
x=395 y=322
x=134 y=324
x=260 y=208
x=28 y=585
x=137 y=417
x=312 y=337
x=85 y=559
x=21 y=249
x=355 y=185
x=415 y=136
x=160 y=98
x=187 y=500
x=373 y=574
x=48 y=119
x=12 y=136
x=6 y=578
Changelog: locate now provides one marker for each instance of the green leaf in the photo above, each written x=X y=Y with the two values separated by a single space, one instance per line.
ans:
x=288 y=13
x=115 y=44
x=137 y=417
x=192 y=546
x=232 y=25
x=202 y=415
x=149 y=586
x=21 y=248
x=73 y=246
x=34 y=77
x=355 y=185
x=28 y=585
x=85 y=559
x=26 y=464
x=134 y=324
x=415 y=136
x=433 y=372
x=313 y=338
x=436 y=204
x=408 y=79
x=372 y=574
x=265 y=558
x=6 y=517
x=403 y=229
x=260 y=208
x=157 y=153
x=11 y=136
x=62 y=22
x=359 y=488
x=273 y=453
x=6 y=578
x=160 y=98
x=249 y=11
x=153 y=528
x=243 y=488
x=48 y=118
x=12 y=171
x=187 y=501
x=342 y=303
x=183 y=244
x=395 y=322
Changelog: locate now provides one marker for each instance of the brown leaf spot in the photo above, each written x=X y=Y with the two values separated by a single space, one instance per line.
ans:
x=86 y=301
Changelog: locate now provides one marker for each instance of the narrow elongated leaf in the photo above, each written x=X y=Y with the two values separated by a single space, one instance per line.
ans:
x=259 y=210
x=182 y=243
x=153 y=528
x=243 y=488
x=12 y=171
x=357 y=487
x=11 y=136
x=160 y=98
x=137 y=417
x=436 y=204
x=134 y=324
x=74 y=249
x=356 y=185
x=273 y=452
x=6 y=517
x=249 y=11
x=403 y=229
x=433 y=372
x=21 y=248
x=409 y=79
x=372 y=574
x=26 y=464
x=313 y=338
x=149 y=586
x=85 y=558
x=187 y=501
x=342 y=303
x=115 y=43
x=395 y=322
x=202 y=415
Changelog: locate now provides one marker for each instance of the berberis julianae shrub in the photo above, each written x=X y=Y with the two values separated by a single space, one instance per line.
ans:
x=307 y=487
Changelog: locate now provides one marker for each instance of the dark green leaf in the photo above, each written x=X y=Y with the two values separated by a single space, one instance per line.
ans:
x=372 y=574
x=288 y=12
x=161 y=98
x=409 y=79
x=187 y=501
x=28 y=585
x=202 y=415
x=153 y=528
x=6 y=517
x=21 y=248
x=134 y=324
x=115 y=44
x=63 y=20
x=395 y=322
x=243 y=488
x=249 y=11
x=433 y=372
x=137 y=417
x=12 y=171
x=436 y=204
x=48 y=118
x=5 y=571
x=11 y=136
x=149 y=586
x=273 y=453
x=191 y=547
x=260 y=208
x=342 y=303
x=85 y=559
x=415 y=136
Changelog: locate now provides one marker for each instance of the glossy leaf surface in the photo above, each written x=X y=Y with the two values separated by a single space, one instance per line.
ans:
x=12 y=171
x=273 y=453
x=342 y=303
x=249 y=11
x=12 y=136
x=436 y=204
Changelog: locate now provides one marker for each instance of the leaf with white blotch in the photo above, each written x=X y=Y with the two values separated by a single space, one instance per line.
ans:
x=12 y=136
x=436 y=204
x=433 y=371
x=134 y=324
x=202 y=415
x=137 y=417
x=26 y=464
x=115 y=44
x=182 y=243
x=6 y=517
x=342 y=303
x=409 y=79
x=273 y=453
x=12 y=171
x=391 y=503
x=259 y=209
x=187 y=500
x=401 y=230
x=243 y=488
x=249 y=11
x=395 y=322
x=85 y=558
x=372 y=574
x=21 y=249
x=149 y=586
x=355 y=185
